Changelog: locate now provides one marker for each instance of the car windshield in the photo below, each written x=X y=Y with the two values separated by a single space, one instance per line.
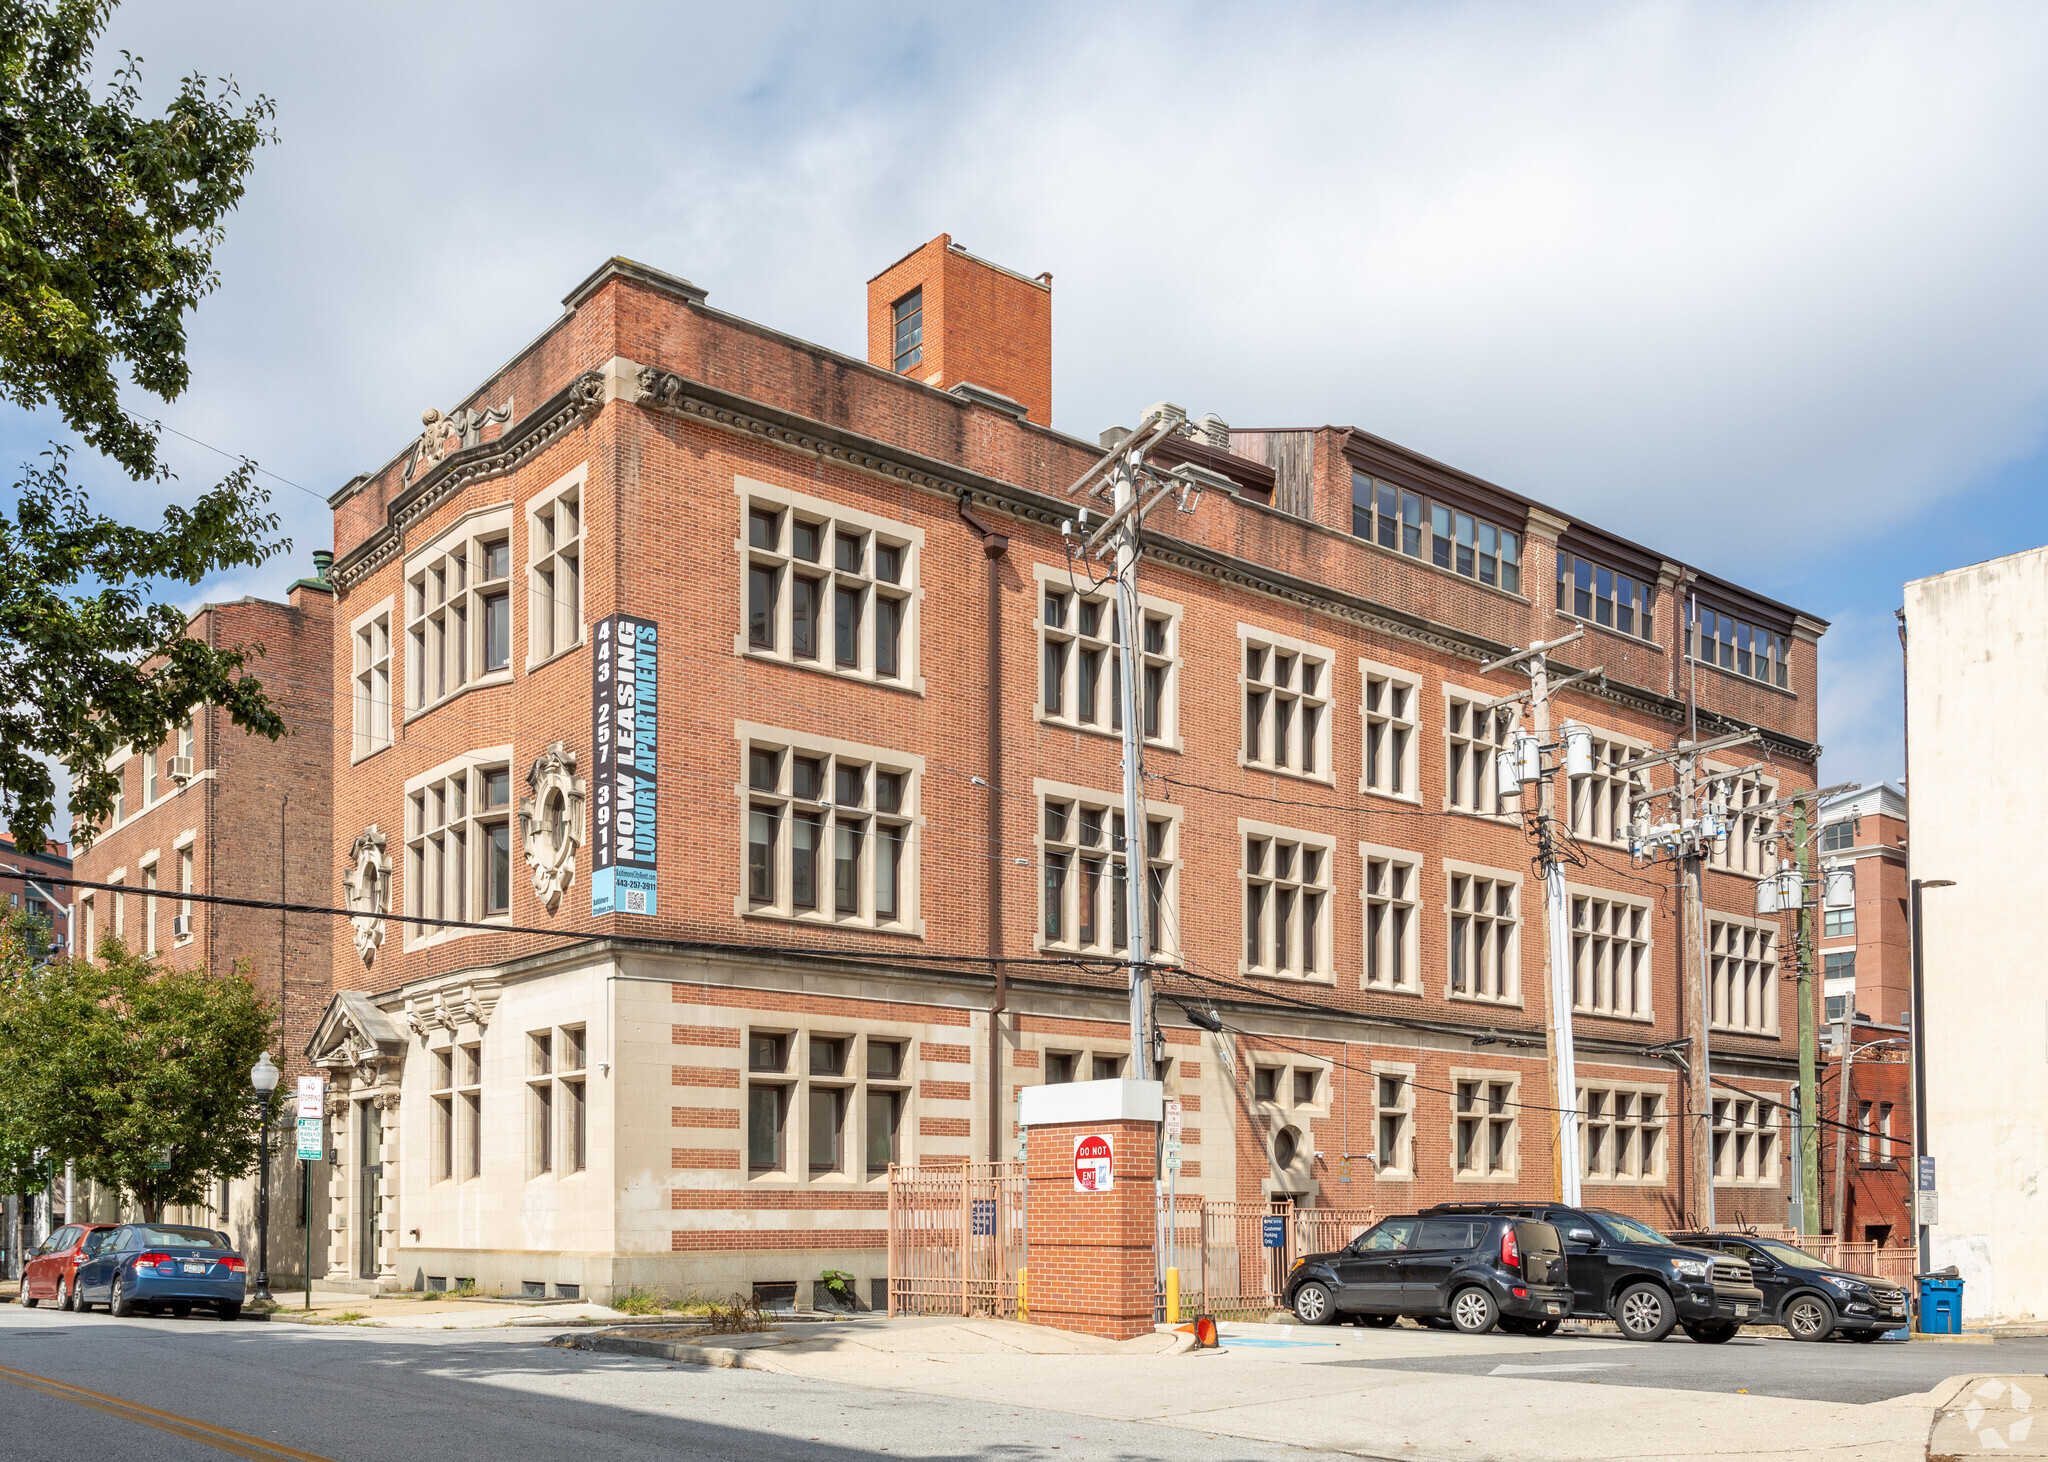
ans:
x=159 y=1236
x=1625 y=1230
x=1788 y=1255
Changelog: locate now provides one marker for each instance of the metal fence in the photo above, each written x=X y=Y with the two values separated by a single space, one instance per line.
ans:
x=1895 y=1262
x=1222 y=1251
x=956 y=1238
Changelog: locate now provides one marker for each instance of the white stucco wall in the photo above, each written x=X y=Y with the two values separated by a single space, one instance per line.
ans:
x=1977 y=728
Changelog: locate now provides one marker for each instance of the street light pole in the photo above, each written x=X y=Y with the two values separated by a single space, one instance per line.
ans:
x=263 y=1078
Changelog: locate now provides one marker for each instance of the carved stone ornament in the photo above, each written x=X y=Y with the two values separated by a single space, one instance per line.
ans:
x=586 y=393
x=551 y=823
x=451 y=432
x=367 y=881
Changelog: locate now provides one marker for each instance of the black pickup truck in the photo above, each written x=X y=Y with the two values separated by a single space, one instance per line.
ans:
x=1625 y=1271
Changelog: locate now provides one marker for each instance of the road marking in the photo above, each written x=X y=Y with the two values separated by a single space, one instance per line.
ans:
x=241 y=1444
x=1590 y=1365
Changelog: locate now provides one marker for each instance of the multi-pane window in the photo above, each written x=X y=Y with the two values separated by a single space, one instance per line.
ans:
x=469 y=1109
x=906 y=318
x=1083 y=902
x=1745 y=1141
x=458 y=614
x=1716 y=637
x=1393 y=1123
x=185 y=861
x=149 y=778
x=554 y=578
x=443 y=1155
x=372 y=693
x=1286 y=903
x=1743 y=850
x=1837 y=1008
x=830 y=589
x=1838 y=923
x=1742 y=976
x=1065 y=1066
x=1483 y=955
x=883 y=1100
x=1605 y=596
x=827 y=1104
x=149 y=909
x=1610 y=955
x=1621 y=1133
x=1838 y=837
x=1454 y=539
x=540 y=1103
x=1081 y=663
x=1392 y=923
x=1483 y=1115
x=557 y=1132
x=1286 y=708
x=88 y=944
x=768 y=1098
x=1599 y=800
x=573 y=1089
x=459 y=848
x=1474 y=733
x=1839 y=964
x=830 y=834
x=1389 y=705
x=847 y=1094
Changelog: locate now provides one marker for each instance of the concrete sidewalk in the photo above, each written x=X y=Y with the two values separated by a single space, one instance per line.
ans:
x=1317 y=1389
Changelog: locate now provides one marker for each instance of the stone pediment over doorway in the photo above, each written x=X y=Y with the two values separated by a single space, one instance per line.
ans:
x=355 y=1038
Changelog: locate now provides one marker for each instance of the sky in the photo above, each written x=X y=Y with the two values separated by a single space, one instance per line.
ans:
x=1756 y=284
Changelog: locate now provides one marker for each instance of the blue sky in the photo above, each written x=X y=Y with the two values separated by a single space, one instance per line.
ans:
x=1757 y=284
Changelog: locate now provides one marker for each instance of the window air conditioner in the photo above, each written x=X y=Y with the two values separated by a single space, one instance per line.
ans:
x=181 y=926
x=181 y=769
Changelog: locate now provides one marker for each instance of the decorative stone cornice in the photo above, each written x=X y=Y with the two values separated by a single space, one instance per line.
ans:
x=465 y=1000
x=1550 y=525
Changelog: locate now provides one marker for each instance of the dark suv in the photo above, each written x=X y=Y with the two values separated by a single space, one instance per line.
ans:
x=1478 y=1270
x=1811 y=1299
x=1625 y=1271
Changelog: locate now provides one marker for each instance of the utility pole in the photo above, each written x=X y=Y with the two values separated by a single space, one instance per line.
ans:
x=1134 y=487
x=1516 y=767
x=1847 y=1030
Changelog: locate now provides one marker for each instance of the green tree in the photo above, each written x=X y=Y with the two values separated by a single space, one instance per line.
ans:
x=137 y=1075
x=109 y=219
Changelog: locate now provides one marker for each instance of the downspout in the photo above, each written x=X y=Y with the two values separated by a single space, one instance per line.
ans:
x=994 y=546
x=1684 y=1085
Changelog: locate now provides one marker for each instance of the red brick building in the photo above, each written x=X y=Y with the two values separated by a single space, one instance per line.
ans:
x=758 y=678
x=37 y=886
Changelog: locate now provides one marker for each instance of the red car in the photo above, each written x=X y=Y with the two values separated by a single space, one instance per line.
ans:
x=51 y=1272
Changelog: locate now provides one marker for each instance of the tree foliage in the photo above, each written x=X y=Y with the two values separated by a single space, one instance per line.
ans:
x=137 y=1075
x=109 y=219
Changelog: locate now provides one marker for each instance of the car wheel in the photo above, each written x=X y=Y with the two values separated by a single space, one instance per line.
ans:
x=179 y=1312
x=230 y=1309
x=28 y=1301
x=1313 y=1304
x=68 y=1295
x=1809 y=1317
x=119 y=1302
x=1710 y=1334
x=1645 y=1312
x=1864 y=1337
x=1473 y=1311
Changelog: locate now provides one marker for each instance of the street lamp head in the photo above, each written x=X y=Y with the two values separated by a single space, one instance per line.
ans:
x=1937 y=883
x=263 y=1075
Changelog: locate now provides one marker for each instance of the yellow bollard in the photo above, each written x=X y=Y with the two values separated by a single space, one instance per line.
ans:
x=1023 y=1294
x=1173 y=1296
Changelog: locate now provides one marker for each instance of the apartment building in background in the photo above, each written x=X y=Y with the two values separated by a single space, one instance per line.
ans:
x=1976 y=696
x=32 y=884
x=215 y=810
x=748 y=697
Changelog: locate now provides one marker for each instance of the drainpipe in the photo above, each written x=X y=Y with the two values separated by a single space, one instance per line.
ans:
x=994 y=546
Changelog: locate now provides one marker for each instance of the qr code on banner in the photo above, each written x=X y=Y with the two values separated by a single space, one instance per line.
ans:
x=636 y=901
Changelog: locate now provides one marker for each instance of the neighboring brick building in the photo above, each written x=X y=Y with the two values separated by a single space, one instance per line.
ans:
x=207 y=813
x=789 y=988
x=37 y=887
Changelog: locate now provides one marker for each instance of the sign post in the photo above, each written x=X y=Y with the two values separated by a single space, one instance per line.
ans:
x=312 y=1109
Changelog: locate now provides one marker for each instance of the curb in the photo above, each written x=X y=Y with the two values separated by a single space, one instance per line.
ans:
x=717 y=1357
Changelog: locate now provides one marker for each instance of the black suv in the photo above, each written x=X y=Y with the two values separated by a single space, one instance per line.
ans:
x=1477 y=1269
x=1811 y=1299
x=1625 y=1271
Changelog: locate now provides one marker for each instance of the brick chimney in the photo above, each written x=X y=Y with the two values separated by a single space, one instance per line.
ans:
x=942 y=316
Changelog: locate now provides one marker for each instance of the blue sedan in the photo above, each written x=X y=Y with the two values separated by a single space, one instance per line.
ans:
x=154 y=1267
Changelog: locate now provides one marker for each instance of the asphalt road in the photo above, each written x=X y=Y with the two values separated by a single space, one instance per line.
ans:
x=293 y=1393
x=1763 y=1363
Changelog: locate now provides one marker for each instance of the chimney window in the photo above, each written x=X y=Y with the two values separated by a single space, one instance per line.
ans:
x=908 y=315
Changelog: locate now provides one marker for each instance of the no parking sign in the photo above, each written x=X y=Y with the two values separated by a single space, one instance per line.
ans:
x=1094 y=1164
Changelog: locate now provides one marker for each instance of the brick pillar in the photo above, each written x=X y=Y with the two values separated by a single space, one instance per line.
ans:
x=1092 y=1260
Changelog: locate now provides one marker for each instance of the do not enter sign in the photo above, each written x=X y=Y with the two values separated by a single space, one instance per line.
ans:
x=1094 y=1165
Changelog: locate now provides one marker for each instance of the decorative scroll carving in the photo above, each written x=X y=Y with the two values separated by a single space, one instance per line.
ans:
x=452 y=432
x=367 y=882
x=551 y=823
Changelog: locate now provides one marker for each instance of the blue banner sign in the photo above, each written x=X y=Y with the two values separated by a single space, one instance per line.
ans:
x=1273 y=1231
x=624 y=671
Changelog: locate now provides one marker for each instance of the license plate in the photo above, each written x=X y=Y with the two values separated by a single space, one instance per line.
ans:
x=1553 y=1309
x=1741 y=1311
x=196 y=1268
x=1898 y=1312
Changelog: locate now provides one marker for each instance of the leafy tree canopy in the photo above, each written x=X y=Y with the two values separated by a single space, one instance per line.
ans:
x=108 y=222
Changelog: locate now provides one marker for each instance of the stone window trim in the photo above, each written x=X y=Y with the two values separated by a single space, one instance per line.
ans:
x=1475 y=727
x=552 y=1154
x=1402 y=1168
x=1313 y=900
x=1484 y=1081
x=456 y=1088
x=1507 y=962
x=1313 y=709
x=453 y=565
x=1390 y=732
x=908 y=587
x=1742 y=961
x=552 y=555
x=856 y=1077
x=469 y=765
x=1164 y=865
x=1745 y=1146
x=1598 y=806
x=1056 y=578
x=1066 y=1058
x=1591 y=972
x=1284 y=1103
x=149 y=863
x=748 y=736
x=1648 y=1126
x=86 y=941
x=1745 y=855
x=184 y=848
x=1391 y=922
x=371 y=722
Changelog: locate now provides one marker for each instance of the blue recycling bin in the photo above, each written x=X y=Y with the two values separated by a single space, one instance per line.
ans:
x=1941 y=1304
